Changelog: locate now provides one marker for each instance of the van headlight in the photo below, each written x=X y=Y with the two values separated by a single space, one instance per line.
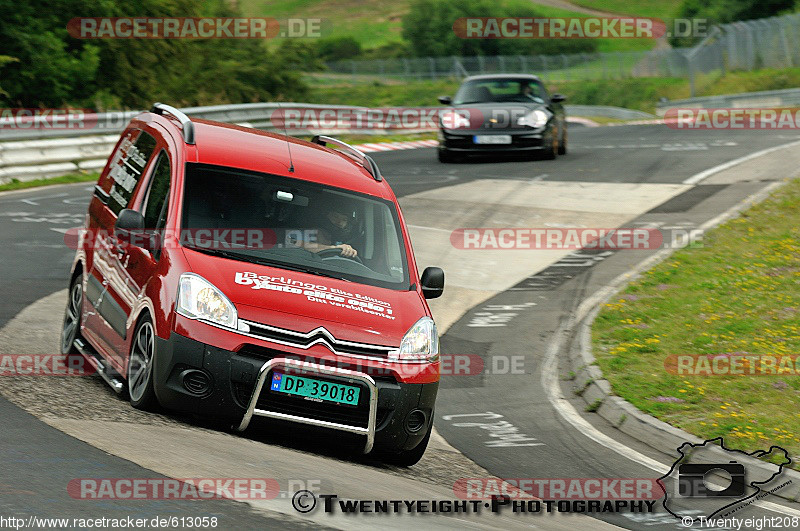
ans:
x=534 y=119
x=200 y=299
x=421 y=342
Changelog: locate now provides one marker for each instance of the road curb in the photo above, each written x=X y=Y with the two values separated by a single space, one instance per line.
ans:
x=590 y=384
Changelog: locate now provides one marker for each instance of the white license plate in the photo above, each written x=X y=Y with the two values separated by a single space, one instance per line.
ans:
x=492 y=139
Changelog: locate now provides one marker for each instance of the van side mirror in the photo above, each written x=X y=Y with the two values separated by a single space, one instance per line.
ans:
x=432 y=282
x=129 y=227
x=445 y=100
x=558 y=98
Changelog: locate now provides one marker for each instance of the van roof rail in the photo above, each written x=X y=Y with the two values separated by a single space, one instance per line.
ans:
x=186 y=123
x=347 y=149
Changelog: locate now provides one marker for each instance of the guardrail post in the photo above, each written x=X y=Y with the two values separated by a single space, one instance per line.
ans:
x=690 y=70
x=786 y=51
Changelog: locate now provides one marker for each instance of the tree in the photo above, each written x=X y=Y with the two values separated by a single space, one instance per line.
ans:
x=55 y=69
x=725 y=11
x=428 y=27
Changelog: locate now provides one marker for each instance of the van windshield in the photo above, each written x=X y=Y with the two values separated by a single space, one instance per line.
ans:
x=293 y=224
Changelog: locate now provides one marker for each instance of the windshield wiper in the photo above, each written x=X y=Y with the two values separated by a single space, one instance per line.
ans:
x=267 y=262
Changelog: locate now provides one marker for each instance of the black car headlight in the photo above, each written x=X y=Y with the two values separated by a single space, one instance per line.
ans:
x=452 y=119
x=535 y=119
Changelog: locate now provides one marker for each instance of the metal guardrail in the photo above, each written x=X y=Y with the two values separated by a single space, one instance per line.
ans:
x=606 y=111
x=257 y=115
x=35 y=153
x=764 y=99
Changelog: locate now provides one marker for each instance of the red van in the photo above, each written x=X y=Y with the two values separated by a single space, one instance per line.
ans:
x=234 y=273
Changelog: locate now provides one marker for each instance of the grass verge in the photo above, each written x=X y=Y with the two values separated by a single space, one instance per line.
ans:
x=633 y=93
x=663 y=9
x=16 y=184
x=737 y=295
x=366 y=139
x=376 y=23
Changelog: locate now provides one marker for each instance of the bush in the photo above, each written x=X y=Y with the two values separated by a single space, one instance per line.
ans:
x=337 y=48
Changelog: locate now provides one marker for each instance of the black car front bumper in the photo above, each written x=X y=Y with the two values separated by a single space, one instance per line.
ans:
x=521 y=141
x=192 y=377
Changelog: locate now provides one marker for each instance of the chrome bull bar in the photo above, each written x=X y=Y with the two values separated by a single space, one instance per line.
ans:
x=275 y=363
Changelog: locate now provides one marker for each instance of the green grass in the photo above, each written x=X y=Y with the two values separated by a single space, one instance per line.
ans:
x=663 y=9
x=371 y=22
x=365 y=139
x=375 y=23
x=16 y=184
x=376 y=94
x=630 y=93
x=736 y=294
x=603 y=45
x=633 y=93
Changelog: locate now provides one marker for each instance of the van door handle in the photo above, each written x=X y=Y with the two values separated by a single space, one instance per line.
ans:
x=119 y=248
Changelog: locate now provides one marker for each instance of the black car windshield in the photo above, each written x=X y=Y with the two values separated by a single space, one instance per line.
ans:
x=293 y=224
x=500 y=90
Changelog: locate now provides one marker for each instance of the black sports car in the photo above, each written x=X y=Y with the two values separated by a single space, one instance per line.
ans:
x=502 y=113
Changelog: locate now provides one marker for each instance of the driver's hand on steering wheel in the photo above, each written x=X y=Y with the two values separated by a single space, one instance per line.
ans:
x=346 y=250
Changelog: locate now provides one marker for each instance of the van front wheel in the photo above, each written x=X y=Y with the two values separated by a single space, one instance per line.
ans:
x=140 y=367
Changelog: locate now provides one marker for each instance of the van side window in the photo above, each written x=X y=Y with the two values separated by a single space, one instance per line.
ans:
x=127 y=165
x=154 y=208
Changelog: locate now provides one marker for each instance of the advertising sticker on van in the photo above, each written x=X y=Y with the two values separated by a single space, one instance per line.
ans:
x=317 y=293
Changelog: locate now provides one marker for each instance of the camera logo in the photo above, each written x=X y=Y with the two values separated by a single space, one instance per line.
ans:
x=710 y=479
x=696 y=480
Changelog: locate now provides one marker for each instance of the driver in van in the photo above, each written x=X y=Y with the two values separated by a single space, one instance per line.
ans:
x=335 y=228
x=334 y=225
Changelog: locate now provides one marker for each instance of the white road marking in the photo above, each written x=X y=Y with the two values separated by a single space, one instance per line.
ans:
x=694 y=179
x=550 y=380
x=32 y=200
x=437 y=229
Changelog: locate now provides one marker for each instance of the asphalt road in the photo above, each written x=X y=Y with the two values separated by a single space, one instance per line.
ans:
x=35 y=263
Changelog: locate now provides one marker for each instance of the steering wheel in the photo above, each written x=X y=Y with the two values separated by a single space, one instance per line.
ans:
x=337 y=253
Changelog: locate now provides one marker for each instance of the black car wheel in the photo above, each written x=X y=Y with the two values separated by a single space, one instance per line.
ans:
x=551 y=152
x=562 y=146
x=445 y=156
